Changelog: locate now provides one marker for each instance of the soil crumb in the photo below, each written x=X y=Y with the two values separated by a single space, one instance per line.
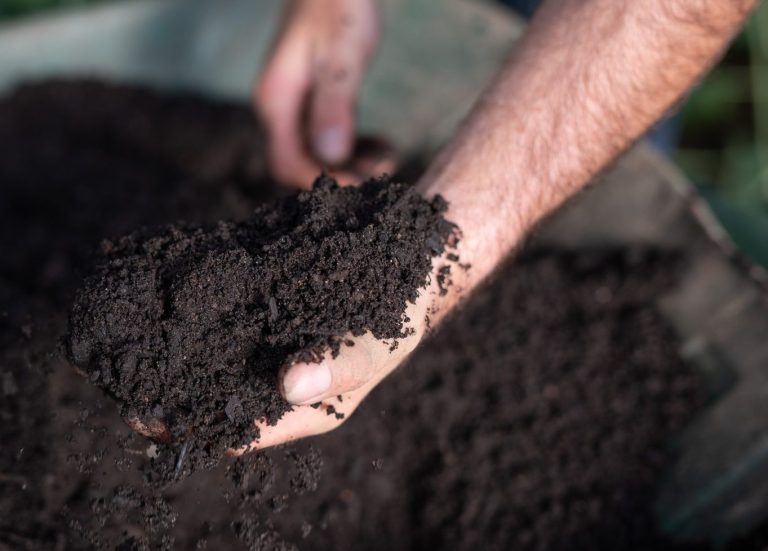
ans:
x=536 y=418
x=190 y=325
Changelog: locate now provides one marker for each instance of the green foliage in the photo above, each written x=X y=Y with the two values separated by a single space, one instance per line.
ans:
x=15 y=8
x=724 y=145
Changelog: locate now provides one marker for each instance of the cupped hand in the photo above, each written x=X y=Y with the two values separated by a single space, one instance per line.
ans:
x=307 y=94
x=326 y=393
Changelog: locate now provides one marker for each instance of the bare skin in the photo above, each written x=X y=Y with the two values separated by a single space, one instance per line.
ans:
x=307 y=94
x=587 y=80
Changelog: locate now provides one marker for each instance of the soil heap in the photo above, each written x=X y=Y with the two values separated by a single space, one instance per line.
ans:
x=537 y=418
x=190 y=325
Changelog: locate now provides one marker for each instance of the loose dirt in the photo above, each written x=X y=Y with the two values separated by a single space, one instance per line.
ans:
x=536 y=418
x=189 y=326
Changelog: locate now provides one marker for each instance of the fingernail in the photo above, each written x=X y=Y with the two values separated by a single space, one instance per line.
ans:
x=306 y=383
x=330 y=145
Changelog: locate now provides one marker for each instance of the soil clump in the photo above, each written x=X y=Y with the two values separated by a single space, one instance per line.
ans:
x=537 y=418
x=190 y=325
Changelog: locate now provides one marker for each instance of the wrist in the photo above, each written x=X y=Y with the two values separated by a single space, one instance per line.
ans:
x=488 y=227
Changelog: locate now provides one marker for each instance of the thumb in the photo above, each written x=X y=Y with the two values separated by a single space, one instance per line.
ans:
x=308 y=383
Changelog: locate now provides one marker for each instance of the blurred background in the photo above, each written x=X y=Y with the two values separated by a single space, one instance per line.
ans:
x=723 y=141
x=10 y=9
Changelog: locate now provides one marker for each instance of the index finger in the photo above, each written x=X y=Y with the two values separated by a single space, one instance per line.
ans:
x=280 y=99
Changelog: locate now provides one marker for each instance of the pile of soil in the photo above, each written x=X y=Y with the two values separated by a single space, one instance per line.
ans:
x=80 y=162
x=540 y=420
x=190 y=325
x=536 y=418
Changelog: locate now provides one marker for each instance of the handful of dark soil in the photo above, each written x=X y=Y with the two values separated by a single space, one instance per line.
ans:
x=191 y=325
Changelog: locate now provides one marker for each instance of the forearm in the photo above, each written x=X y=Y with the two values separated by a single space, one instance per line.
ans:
x=588 y=78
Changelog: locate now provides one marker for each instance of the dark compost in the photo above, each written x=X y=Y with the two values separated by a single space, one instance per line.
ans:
x=536 y=418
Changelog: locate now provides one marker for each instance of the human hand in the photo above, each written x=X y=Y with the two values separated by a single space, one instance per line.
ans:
x=307 y=93
x=536 y=137
x=325 y=394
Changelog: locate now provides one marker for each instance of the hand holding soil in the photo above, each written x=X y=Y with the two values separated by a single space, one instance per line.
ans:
x=290 y=284
x=325 y=394
x=524 y=431
x=536 y=137
x=423 y=461
x=188 y=327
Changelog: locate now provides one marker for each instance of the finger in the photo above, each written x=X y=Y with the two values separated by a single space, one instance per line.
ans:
x=308 y=383
x=368 y=360
x=332 y=112
x=280 y=97
x=337 y=78
x=312 y=420
x=364 y=361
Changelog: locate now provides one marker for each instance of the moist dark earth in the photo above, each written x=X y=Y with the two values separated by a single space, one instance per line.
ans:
x=537 y=418
x=191 y=324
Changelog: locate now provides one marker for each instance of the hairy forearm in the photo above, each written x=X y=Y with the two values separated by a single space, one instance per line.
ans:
x=588 y=78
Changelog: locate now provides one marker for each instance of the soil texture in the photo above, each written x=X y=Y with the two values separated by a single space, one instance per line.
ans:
x=190 y=325
x=536 y=418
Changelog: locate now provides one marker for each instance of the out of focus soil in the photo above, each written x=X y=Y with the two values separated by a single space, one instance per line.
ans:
x=538 y=417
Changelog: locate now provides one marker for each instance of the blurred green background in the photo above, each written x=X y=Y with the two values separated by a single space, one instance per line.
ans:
x=16 y=8
x=723 y=145
x=724 y=141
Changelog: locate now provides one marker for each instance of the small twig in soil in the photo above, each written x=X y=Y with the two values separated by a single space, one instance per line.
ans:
x=180 y=460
